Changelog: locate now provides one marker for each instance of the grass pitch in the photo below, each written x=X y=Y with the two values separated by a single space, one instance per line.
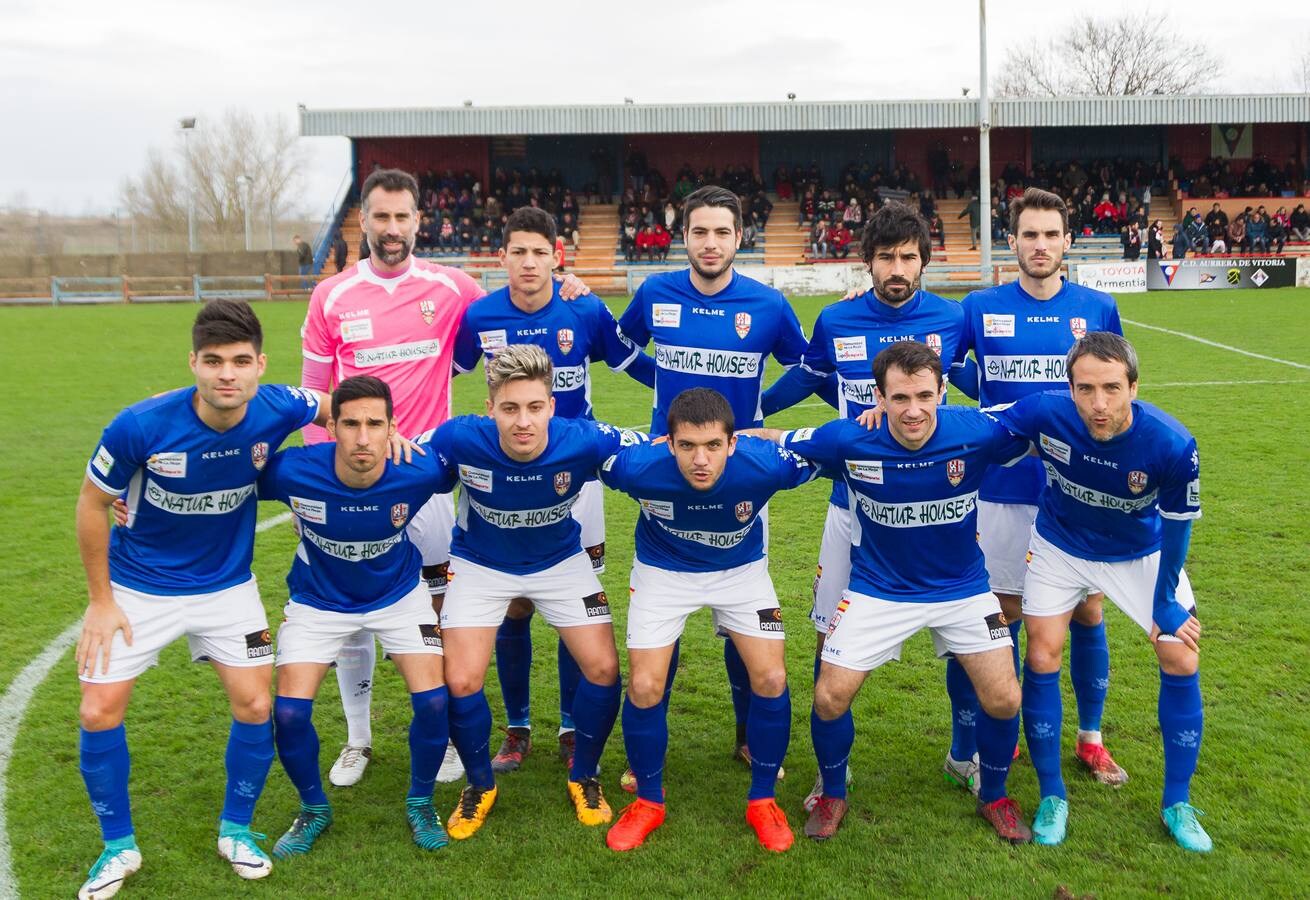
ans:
x=68 y=370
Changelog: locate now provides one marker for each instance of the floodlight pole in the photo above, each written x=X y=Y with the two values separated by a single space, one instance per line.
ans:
x=984 y=153
x=188 y=125
x=243 y=182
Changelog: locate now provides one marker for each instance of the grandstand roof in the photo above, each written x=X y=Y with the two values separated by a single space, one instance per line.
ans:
x=859 y=115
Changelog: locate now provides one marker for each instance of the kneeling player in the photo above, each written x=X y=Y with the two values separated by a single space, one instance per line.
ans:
x=700 y=542
x=357 y=570
x=915 y=564
x=521 y=471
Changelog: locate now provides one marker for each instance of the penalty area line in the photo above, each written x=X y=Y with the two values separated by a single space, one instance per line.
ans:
x=1209 y=343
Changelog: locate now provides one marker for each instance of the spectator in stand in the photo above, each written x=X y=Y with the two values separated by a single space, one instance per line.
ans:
x=446 y=235
x=826 y=206
x=1218 y=233
x=671 y=223
x=1181 y=243
x=1216 y=215
x=424 y=239
x=637 y=169
x=1104 y=214
x=466 y=235
x=304 y=260
x=749 y=231
x=805 y=211
x=853 y=217
x=998 y=228
x=937 y=231
x=1237 y=239
x=1132 y=241
x=972 y=210
x=782 y=184
x=839 y=240
x=568 y=229
x=628 y=240
x=819 y=239
x=568 y=206
x=1155 y=240
x=1257 y=233
x=663 y=240
x=646 y=243
x=1299 y=223
x=1277 y=236
x=1195 y=230
x=340 y=251
x=762 y=207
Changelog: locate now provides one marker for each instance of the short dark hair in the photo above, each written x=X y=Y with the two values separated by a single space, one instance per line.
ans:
x=712 y=195
x=908 y=356
x=532 y=219
x=700 y=406
x=1036 y=198
x=225 y=321
x=893 y=225
x=1105 y=346
x=389 y=180
x=360 y=387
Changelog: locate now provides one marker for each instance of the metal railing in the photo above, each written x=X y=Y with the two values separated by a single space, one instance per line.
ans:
x=79 y=290
x=332 y=220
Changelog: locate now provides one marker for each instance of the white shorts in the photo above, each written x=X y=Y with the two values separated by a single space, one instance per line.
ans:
x=1058 y=581
x=567 y=594
x=227 y=626
x=429 y=531
x=834 y=572
x=865 y=632
x=312 y=635
x=741 y=600
x=1003 y=532
x=589 y=510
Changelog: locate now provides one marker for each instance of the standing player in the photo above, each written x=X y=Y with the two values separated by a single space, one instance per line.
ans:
x=1019 y=334
x=521 y=471
x=186 y=463
x=1124 y=486
x=575 y=334
x=700 y=542
x=847 y=335
x=714 y=328
x=915 y=564
x=356 y=569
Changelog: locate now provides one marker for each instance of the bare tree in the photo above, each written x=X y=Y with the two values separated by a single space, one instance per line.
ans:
x=1136 y=53
x=221 y=152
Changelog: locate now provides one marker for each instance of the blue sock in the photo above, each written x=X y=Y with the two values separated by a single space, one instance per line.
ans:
x=249 y=757
x=1015 y=628
x=429 y=731
x=470 y=732
x=1181 y=724
x=105 y=766
x=832 y=746
x=964 y=711
x=768 y=731
x=595 y=708
x=569 y=675
x=297 y=747
x=740 y=682
x=646 y=740
x=673 y=672
x=818 y=664
x=996 y=740
x=1089 y=670
x=514 y=667
x=1043 y=711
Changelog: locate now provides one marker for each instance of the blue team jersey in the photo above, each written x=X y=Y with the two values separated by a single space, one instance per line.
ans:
x=720 y=341
x=1019 y=343
x=850 y=333
x=686 y=530
x=354 y=555
x=1104 y=499
x=190 y=489
x=913 y=522
x=574 y=334
x=514 y=516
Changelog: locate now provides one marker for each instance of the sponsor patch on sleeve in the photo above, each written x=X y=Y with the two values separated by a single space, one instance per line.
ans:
x=103 y=461
x=1194 y=492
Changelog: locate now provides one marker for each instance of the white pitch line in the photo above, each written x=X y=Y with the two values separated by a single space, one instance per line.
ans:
x=1147 y=385
x=13 y=706
x=1209 y=343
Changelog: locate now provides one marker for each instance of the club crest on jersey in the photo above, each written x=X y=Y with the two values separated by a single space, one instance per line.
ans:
x=742 y=322
x=1078 y=325
x=562 y=482
x=564 y=337
x=935 y=342
x=428 y=310
x=259 y=454
x=1136 y=481
x=399 y=514
x=955 y=471
x=744 y=510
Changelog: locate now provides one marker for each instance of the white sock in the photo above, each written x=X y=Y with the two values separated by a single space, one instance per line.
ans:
x=1089 y=737
x=355 y=678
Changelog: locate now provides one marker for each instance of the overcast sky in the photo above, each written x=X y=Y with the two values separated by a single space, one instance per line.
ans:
x=89 y=87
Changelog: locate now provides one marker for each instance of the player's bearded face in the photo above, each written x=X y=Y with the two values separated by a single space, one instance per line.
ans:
x=362 y=430
x=227 y=376
x=1040 y=243
x=712 y=239
x=522 y=409
x=896 y=272
x=911 y=404
x=702 y=451
x=1103 y=395
x=390 y=223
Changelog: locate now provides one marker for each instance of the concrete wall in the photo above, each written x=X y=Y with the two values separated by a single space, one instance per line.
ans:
x=279 y=262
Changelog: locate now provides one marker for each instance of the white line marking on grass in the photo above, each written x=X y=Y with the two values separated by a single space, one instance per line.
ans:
x=13 y=706
x=1208 y=343
x=1147 y=385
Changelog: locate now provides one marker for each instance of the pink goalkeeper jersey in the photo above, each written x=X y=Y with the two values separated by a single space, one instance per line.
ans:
x=399 y=328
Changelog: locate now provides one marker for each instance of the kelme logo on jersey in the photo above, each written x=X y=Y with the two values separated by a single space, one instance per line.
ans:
x=1136 y=481
x=596 y=605
x=955 y=471
x=770 y=619
x=259 y=644
x=743 y=511
x=564 y=337
x=1078 y=325
x=428 y=310
x=399 y=514
x=259 y=454
x=742 y=323
x=562 y=481
x=934 y=341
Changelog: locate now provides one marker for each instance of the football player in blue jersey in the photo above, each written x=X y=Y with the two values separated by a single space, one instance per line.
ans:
x=521 y=470
x=895 y=246
x=186 y=463
x=1019 y=334
x=1123 y=487
x=700 y=543
x=915 y=564
x=715 y=328
x=355 y=569
x=574 y=335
